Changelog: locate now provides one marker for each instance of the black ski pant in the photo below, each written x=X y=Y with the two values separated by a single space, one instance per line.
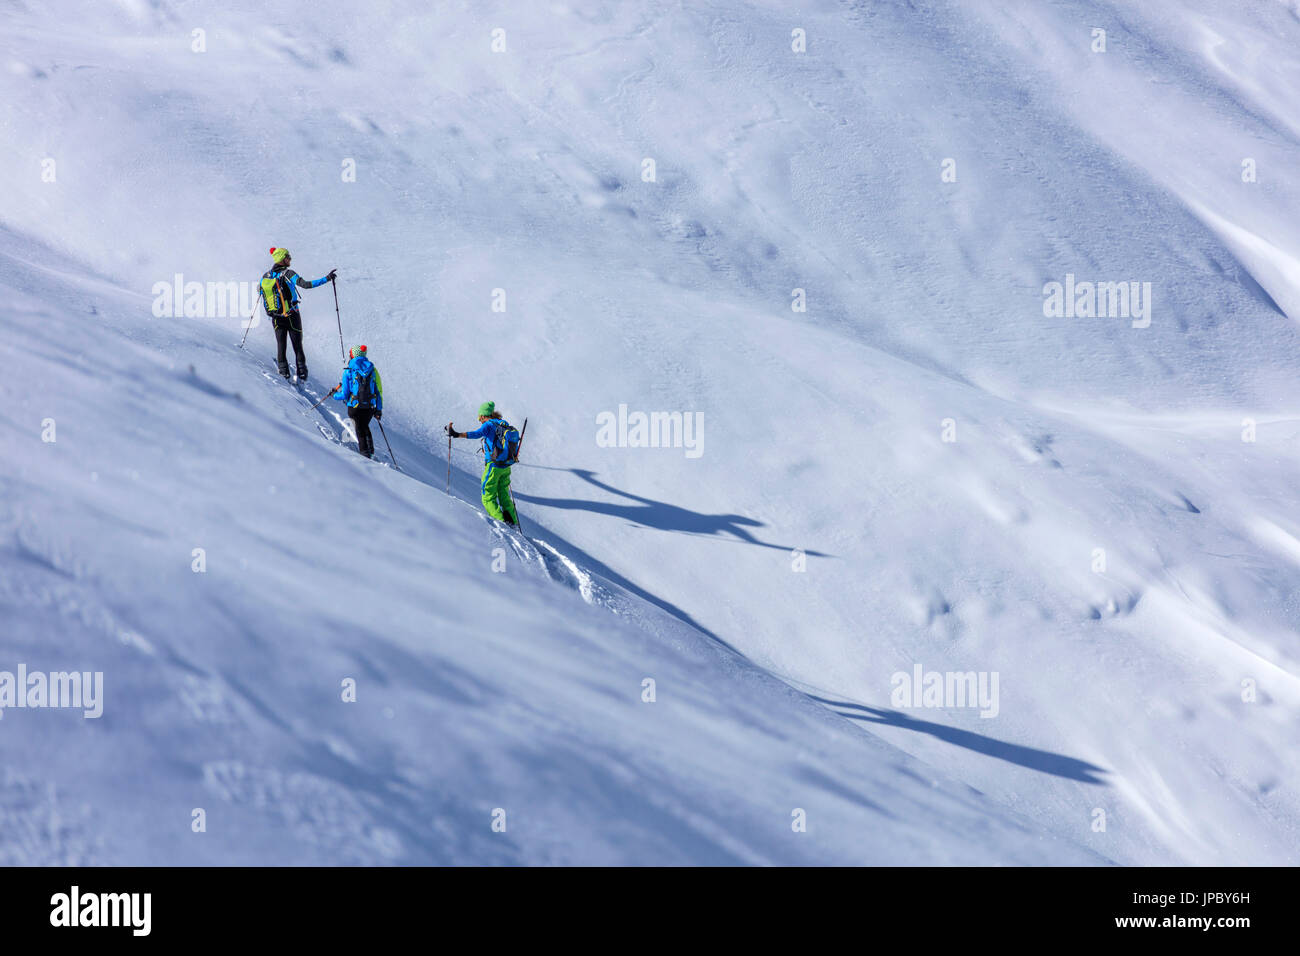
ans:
x=289 y=327
x=361 y=422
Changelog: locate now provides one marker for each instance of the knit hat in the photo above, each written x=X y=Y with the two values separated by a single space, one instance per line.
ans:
x=488 y=408
x=357 y=350
x=279 y=255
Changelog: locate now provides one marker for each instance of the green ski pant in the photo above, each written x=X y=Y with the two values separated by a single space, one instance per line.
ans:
x=496 y=493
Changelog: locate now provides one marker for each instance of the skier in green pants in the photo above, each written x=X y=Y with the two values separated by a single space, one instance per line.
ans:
x=500 y=451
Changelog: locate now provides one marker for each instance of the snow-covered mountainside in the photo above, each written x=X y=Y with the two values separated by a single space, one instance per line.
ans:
x=971 y=329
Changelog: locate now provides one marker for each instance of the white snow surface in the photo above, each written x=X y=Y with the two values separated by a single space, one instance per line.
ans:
x=1100 y=535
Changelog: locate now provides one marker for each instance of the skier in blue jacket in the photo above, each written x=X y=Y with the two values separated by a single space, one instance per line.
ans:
x=500 y=446
x=362 y=390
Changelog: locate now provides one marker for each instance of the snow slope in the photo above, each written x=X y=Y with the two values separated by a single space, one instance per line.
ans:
x=477 y=688
x=1121 y=688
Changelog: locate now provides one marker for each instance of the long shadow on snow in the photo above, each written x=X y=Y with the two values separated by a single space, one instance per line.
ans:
x=1043 y=761
x=420 y=464
x=657 y=514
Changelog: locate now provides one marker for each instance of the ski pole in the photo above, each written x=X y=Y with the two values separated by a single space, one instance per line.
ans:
x=248 y=326
x=390 y=447
x=327 y=395
x=342 y=351
x=518 y=523
x=448 y=462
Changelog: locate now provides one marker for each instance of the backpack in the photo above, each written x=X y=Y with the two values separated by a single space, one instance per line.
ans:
x=505 y=445
x=365 y=391
x=275 y=297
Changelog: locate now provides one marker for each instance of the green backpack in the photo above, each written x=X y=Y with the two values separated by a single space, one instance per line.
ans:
x=275 y=294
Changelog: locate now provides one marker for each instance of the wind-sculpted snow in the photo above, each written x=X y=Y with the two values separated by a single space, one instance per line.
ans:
x=845 y=268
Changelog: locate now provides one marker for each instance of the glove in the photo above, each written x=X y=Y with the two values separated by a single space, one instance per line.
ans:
x=378 y=415
x=451 y=431
x=332 y=274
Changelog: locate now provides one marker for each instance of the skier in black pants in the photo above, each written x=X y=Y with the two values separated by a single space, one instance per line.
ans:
x=363 y=392
x=280 y=298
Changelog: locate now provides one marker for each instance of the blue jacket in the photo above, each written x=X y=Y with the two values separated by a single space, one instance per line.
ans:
x=348 y=393
x=488 y=432
x=293 y=282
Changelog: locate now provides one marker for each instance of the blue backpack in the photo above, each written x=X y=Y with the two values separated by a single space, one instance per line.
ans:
x=364 y=395
x=505 y=444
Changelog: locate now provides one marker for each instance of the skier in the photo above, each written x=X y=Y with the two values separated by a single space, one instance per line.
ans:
x=363 y=392
x=280 y=299
x=500 y=451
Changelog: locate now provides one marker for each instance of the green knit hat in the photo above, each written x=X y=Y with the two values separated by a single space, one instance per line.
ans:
x=488 y=408
x=278 y=255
